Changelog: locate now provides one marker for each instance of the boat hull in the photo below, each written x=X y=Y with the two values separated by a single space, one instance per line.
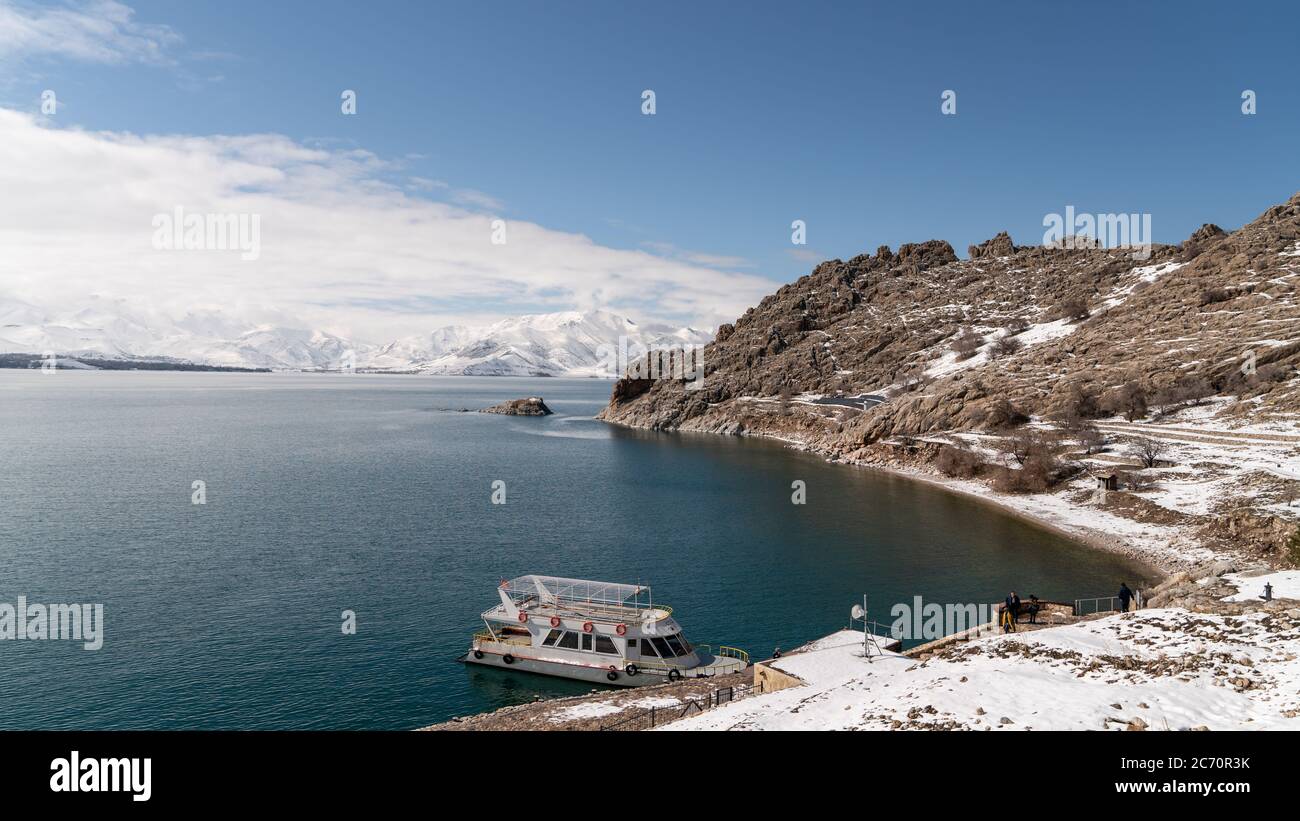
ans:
x=597 y=675
x=575 y=672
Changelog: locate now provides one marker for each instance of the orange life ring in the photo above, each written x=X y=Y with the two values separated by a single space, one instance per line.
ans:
x=621 y=629
x=555 y=621
x=523 y=617
x=587 y=627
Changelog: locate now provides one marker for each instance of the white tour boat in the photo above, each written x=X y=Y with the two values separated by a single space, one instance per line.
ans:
x=592 y=631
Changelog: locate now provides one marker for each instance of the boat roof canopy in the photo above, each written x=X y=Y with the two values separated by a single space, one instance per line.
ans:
x=557 y=590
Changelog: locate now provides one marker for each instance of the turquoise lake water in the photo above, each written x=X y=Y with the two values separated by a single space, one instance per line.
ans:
x=328 y=493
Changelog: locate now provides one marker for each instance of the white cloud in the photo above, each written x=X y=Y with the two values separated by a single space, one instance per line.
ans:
x=667 y=249
x=96 y=31
x=342 y=248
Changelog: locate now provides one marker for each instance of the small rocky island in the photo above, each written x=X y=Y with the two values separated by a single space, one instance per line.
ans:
x=532 y=406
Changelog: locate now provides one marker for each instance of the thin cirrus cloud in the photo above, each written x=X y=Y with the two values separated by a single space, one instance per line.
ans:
x=95 y=31
x=343 y=246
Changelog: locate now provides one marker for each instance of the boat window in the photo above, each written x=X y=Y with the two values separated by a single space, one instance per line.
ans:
x=647 y=649
x=631 y=644
x=678 y=650
x=586 y=641
x=551 y=637
x=569 y=640
x=604 y=645
x=662 y=648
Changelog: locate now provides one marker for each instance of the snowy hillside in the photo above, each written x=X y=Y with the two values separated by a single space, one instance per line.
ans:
x=1159 y=669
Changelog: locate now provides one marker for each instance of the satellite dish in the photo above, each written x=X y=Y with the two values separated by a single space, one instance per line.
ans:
x=857 y=612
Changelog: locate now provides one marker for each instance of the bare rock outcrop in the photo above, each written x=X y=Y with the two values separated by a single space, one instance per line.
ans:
x=532 y=406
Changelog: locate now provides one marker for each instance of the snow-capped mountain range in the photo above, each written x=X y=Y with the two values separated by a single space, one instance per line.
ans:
x=572 y=343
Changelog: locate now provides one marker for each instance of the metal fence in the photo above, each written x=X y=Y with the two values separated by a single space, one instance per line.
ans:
x=657 y=716
x=1087 y=607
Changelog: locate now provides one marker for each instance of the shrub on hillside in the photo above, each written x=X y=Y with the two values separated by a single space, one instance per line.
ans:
x=1017 y=325
x=1212 y=296
x=1073 y=308
x=1003 y=414
x=959 y=462
x=1003 y=346
x=1136 y=480
x=966 y=343
x=1036 y=475
x=1080 y=404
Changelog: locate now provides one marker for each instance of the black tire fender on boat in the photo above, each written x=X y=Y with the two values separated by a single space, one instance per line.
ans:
x=478 y=654
x=612 y=675
x=631 y=670
x=508 y=659
x=674 y=674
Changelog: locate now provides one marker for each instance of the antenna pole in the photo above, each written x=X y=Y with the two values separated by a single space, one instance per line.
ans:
x=865 y=653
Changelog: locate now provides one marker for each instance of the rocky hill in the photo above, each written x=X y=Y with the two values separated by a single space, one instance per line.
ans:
x=1085 y=319
x=1208 y=328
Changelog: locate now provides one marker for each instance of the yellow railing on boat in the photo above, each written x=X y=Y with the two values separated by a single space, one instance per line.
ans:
x=724 y=652
x=733 y=653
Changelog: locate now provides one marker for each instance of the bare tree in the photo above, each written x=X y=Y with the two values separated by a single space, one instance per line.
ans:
x=1130 y=399
x=1026 y=443
x=1148 y=450
x=1091 y=439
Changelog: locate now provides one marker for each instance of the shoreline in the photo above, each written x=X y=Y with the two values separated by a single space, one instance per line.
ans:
x=1089 y=541
x=1157 y=567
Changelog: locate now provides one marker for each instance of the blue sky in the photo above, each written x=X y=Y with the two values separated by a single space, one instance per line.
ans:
x=766 y=112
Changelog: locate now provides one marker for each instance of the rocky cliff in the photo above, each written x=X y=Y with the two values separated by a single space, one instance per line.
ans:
x=957 y=344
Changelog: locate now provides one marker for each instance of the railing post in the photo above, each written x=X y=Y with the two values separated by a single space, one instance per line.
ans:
x=652 y=718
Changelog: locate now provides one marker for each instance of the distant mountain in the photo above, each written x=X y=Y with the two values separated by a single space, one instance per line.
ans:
x=115 y=330
x=560 y=344
x=570 y=344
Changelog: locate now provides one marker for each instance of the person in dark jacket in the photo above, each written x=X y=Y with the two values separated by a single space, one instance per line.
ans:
x=1033 y=609
x=1125 y=596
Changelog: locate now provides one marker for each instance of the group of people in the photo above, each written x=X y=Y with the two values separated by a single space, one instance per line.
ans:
x=1012 y=607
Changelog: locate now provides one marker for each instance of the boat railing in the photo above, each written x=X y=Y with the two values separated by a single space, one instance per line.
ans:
x=639 y=615
x=661 y=666
x=724 y=652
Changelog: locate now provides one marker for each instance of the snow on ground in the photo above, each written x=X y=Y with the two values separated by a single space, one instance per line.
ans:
x=1146 y=274
x=1209 y=464
x=1286 y=585
x=656 y=702
x=1046 y=332
x=1165 y=668
x=585 y=709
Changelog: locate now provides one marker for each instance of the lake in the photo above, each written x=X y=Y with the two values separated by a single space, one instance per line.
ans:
x=328 y=493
